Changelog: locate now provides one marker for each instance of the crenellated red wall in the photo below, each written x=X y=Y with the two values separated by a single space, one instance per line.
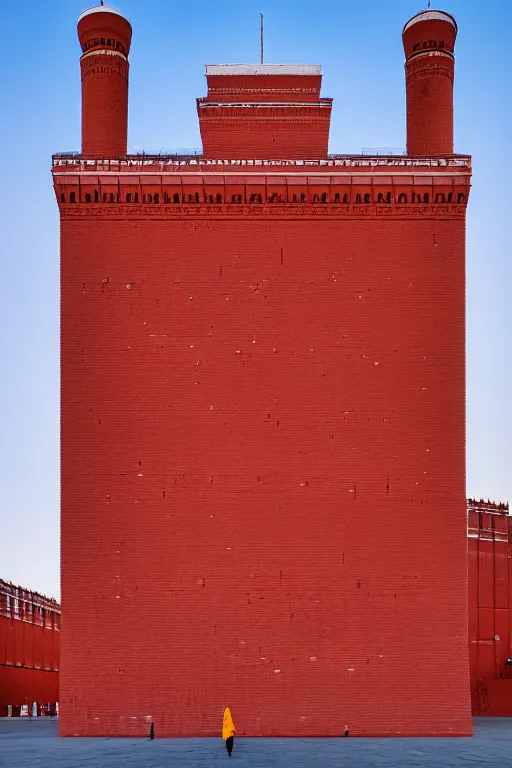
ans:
x=490 y=616
x=29 y=647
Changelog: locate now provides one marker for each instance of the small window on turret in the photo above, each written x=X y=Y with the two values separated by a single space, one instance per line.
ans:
x=96 y=196
x=102 y=40
x=440 y=198
x=461 y=197
x=156 y=198
x=129 y=197
x=87 y=197
x=111 y=197
x=63 y=198
x=136 y=198
x=218 y=199
x=72 y=197
x=176 y=198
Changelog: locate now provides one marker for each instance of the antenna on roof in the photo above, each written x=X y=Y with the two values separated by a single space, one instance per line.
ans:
x=261 y=36
x=101 y=2
x=428 y=4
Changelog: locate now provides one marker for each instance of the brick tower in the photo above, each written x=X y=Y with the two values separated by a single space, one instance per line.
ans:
x=105 y=36
x=263 y=475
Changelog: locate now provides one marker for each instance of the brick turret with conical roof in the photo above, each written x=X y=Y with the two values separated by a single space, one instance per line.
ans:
x=105 y=37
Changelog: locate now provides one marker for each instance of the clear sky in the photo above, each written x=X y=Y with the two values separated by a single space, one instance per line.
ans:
x=359 y=47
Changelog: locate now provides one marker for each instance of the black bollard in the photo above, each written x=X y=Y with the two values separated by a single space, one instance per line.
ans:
x=346 y=730
x=152 y=731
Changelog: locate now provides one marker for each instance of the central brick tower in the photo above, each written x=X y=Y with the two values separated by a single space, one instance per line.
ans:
x=263 y=482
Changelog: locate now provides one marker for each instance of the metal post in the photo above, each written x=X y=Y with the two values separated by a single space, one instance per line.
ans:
x=261 y=36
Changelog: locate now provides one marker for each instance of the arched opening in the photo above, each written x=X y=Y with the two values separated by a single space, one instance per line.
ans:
x=440 y=197
x=156 y=198
x=176 y=198
x=72 y=197
x=62 y=197
x=384 y=197
x=96 y=196
x=87 y=197
x=461 y=197
x=402 y=198
x=128 y=197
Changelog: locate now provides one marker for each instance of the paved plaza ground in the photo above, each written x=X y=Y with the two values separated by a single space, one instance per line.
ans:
x=36 y=743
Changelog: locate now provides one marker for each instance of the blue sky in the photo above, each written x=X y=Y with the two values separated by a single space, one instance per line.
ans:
x=359 y=47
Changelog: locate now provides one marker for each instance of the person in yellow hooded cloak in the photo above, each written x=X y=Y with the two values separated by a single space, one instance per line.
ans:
x=228 y=730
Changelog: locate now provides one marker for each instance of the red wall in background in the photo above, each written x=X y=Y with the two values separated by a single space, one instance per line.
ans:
x=490 y=618
x=29 y=647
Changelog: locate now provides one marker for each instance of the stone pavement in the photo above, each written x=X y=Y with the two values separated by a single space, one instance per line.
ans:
x=24 y=744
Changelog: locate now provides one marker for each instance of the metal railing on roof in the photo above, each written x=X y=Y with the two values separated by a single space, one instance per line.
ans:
x=78 y=162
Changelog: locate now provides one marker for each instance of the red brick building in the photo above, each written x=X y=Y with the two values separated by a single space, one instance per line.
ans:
x=29 y=649
x=490 y=603
x=263 y=442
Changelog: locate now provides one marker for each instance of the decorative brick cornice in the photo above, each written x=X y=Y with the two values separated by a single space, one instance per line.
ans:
x=95 y=63
x=425 y=66
x=87 y=211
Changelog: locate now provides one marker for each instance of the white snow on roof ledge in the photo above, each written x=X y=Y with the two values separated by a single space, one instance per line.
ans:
x=102 y=9
x=263 y=69
x=431 y=16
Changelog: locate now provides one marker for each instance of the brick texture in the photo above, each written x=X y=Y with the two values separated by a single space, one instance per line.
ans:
x=29 y=662
x=429 y=42
x=263 y=476
x=490 y=581
x=430 y=106
x=104 y=104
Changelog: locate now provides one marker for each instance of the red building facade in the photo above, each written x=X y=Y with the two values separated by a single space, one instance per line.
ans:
x=29 y=649
x=263 y=411
x=490 y=599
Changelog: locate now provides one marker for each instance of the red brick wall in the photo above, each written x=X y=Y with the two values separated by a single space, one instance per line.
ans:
x=29 y=662
x=291 y=133
x=490 y=637
x=429 y=105
x=104 y=104
x=263 y=492
x=20 y=686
